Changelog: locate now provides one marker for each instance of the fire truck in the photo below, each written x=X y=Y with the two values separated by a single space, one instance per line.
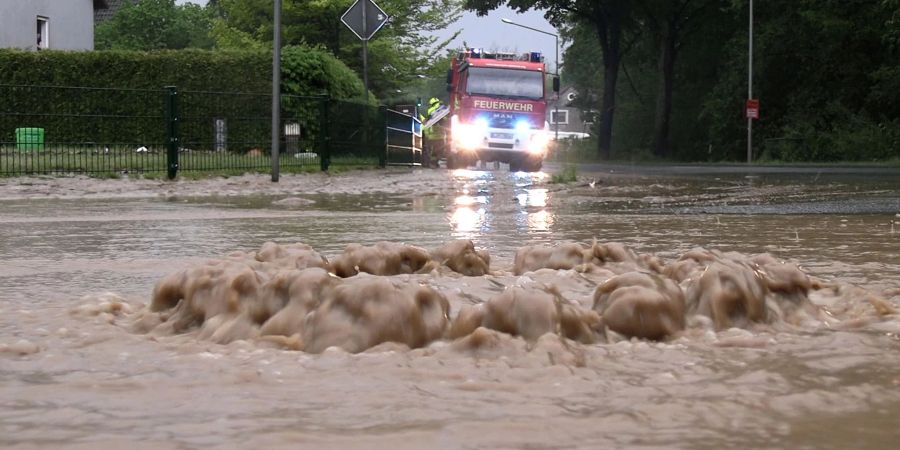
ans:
x=497 y=110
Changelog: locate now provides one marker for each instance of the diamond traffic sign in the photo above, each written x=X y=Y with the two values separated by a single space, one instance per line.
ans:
x=364 y=18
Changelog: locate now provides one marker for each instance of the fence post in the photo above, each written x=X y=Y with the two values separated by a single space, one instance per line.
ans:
x=172 y=137
x=325 y=145
x=383 y=159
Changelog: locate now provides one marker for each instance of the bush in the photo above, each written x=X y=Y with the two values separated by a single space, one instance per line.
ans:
x=313 y=71
x=568 y=174
x=844 y=137
x=310 y=71
x=574 y=151
x=860 y=139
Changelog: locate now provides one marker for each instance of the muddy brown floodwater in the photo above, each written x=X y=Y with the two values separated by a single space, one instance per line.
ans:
x=627 y=309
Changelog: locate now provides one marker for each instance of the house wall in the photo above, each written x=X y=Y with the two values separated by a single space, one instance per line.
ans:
x=71 y=23
x=576 y=123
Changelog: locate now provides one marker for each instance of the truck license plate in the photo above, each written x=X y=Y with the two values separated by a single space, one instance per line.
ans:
x=502 y=135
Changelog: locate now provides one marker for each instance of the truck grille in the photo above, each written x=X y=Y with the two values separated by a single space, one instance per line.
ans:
x=499 y=145
x=502 y=122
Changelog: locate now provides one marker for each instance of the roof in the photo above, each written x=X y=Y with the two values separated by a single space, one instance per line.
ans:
x=105 y=9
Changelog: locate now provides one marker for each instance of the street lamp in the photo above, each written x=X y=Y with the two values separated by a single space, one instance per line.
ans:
x=556 y=37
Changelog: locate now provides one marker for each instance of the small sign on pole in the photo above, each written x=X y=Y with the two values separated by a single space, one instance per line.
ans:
x=753 y=108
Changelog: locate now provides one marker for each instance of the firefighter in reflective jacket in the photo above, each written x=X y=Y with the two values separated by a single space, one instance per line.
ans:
x=433 y=138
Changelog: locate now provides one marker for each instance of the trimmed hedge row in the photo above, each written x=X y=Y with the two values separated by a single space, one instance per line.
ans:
x=305 y=71
x=187 y=69
x=127 y=103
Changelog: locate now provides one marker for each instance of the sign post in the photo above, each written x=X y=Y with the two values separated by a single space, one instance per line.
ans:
x=750 y=88
x=364 y=18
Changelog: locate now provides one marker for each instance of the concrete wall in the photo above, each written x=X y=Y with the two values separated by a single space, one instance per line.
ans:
x=71 y=23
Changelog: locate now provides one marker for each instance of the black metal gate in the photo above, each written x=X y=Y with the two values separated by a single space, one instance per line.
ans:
x=403 y=139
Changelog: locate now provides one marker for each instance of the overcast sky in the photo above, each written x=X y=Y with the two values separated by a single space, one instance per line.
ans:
x=490 y=33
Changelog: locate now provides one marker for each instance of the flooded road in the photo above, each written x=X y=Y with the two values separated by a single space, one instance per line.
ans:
x=75 y=373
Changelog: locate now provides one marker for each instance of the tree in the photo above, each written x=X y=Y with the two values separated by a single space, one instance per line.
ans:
x=584 y=60
x=607 y=18
x=155 y=25
x=825 y=72
x=884 y=98
x=399 y=51
x=668 y=22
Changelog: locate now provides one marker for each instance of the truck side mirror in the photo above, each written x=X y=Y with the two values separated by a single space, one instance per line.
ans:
x=449 y=76
x=556 y=84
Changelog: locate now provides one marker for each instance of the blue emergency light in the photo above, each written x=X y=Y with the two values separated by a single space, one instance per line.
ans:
x=535 y=56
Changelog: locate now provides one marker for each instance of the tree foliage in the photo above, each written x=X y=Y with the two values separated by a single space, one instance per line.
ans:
x=401 y=51
x=155 y=25
x=311 y=71
x=608 y=20
x=827 y=74
x=397 y=54
x=819 y=70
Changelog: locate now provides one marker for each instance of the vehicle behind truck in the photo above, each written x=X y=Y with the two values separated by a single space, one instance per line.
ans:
x=498 y=110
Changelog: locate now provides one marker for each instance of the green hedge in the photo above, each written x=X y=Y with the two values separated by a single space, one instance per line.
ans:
x=126 y=103
x=187 y=69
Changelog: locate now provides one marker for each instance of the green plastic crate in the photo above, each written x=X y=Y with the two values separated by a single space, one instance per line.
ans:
x=30 y=139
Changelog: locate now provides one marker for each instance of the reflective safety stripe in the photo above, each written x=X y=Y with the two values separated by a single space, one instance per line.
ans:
x=430 y=132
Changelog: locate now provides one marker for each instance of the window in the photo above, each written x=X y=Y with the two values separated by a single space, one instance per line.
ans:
x=43 y=32
x=589 y=116
x=561 y=117
x=512 y=83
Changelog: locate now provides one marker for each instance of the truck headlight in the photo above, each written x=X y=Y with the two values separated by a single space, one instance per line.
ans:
x=539 y=142
x=467 y=135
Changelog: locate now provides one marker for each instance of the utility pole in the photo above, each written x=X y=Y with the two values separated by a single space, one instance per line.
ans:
x=276 y=93
x=365 y=51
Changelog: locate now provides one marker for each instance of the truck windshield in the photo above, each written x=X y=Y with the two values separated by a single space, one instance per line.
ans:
x=506 y=82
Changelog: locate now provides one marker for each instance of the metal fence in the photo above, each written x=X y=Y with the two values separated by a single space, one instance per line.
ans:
x=101 y=131
x=403 y=138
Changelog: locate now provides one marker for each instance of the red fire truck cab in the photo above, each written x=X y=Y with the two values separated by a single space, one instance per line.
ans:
x=497 y=110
